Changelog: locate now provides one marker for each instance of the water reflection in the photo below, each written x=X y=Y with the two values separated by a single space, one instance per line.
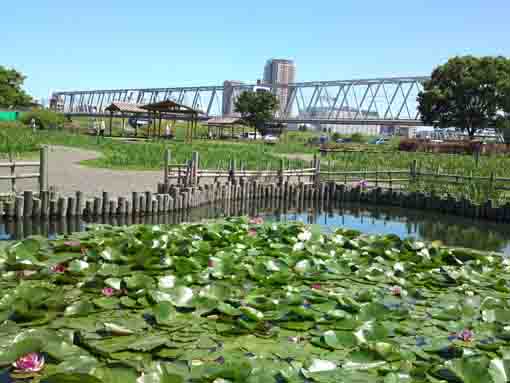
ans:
x=452 y=230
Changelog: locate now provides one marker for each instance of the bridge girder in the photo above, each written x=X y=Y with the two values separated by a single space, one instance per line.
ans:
x=378 y=101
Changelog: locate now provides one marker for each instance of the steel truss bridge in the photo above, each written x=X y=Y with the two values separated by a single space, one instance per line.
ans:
x=381 y=101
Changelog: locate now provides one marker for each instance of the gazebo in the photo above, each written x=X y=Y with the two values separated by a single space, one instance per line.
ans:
x=125 y=109
x=169 y=108
x=221 y=123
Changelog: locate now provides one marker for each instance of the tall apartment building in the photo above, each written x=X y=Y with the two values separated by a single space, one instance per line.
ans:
x=228 y=108
x=280 y=71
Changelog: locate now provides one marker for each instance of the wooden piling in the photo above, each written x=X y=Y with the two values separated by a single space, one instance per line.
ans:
x=28 y=204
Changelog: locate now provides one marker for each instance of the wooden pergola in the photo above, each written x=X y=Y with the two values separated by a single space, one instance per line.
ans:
x=125 y=109
x=175 y=111
x=220 y=123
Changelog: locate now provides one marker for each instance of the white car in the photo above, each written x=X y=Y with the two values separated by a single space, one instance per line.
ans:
x=270 y=139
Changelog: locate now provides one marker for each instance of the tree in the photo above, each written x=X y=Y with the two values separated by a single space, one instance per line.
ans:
x=11 y=93
x=257 y=108
x=467 y=92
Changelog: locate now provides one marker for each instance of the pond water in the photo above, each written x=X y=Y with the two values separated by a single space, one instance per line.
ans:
x=430 y=226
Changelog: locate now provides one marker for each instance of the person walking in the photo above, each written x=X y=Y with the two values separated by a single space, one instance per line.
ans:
x=33 y=125
x=103 y=128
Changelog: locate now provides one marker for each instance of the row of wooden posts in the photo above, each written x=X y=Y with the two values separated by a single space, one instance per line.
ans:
x=177 y=198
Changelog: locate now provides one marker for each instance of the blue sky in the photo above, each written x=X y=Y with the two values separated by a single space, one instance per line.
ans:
x=64 y=45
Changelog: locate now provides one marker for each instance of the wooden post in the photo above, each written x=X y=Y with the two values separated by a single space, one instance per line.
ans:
x=168 y=156
x=18 y=206
x=280 y=172
x=148 y=202
x=194 y=167
x=71 y=207
x=96 y=207
x=232 y=167
x=43 y=168
x=491 y=182
x=159 y=197
x=112 y=208
x=61 y=207
x=317 y=172
x=28 y=203
x=79 y=203
x=13 y=177
x=45 y=203
x=121 y=207
x=134 y=202
x=106 y=198
x=36 y=209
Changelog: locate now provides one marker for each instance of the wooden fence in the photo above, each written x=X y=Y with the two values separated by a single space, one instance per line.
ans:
x=190 y=173
x=404 y=177
x=41 y=176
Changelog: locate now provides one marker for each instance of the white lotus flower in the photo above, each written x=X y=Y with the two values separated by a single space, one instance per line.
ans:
x=305 y=235
x=298 y=246
x=319 y=365
x=167 y=282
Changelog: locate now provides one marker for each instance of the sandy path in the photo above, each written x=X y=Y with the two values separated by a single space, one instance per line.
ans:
x=67 y=175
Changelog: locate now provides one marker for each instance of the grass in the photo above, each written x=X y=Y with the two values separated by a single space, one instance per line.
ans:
x=257 y=155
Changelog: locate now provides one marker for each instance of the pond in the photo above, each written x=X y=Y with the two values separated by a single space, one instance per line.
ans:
x=430 y=226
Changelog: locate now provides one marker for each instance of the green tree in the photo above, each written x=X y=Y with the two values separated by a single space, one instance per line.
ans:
x=11 y=93
x=467 y=93
x=257 y=108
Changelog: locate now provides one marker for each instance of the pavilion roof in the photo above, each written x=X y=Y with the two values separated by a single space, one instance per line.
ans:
x=170 y=106
x=125 y=107
x=224 y=121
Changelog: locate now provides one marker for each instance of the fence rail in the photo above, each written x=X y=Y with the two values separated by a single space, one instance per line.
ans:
x=41 y=176
x=190 y=174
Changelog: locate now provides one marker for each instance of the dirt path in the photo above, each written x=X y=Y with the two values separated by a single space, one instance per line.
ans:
x=68 y=176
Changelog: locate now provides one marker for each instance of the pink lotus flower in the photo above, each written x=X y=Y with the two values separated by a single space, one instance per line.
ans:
x=108 y=291
x=316 y=286
x=252 y=233
x=72 y=243
x=396 y=290
x=256 y=221
x=466 y=335
x=59 y=269
x=362 y=184
x=32 y=362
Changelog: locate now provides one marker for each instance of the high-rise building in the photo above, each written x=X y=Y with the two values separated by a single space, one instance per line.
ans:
x=228 y=108
x=283 y=72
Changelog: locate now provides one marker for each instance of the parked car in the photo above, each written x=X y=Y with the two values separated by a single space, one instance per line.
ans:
x=270 y=139
x=379 y=141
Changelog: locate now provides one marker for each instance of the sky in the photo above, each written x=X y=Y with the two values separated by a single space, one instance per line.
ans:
x=108 y=44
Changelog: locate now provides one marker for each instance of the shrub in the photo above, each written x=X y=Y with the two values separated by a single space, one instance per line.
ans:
x=357 y=137
x=452 y=147
x=44 y=118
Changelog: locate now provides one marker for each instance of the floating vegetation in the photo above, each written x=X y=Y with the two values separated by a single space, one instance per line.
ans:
x=234 y=301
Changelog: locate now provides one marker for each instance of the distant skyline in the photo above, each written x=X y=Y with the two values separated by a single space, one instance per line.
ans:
x=62 y=45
